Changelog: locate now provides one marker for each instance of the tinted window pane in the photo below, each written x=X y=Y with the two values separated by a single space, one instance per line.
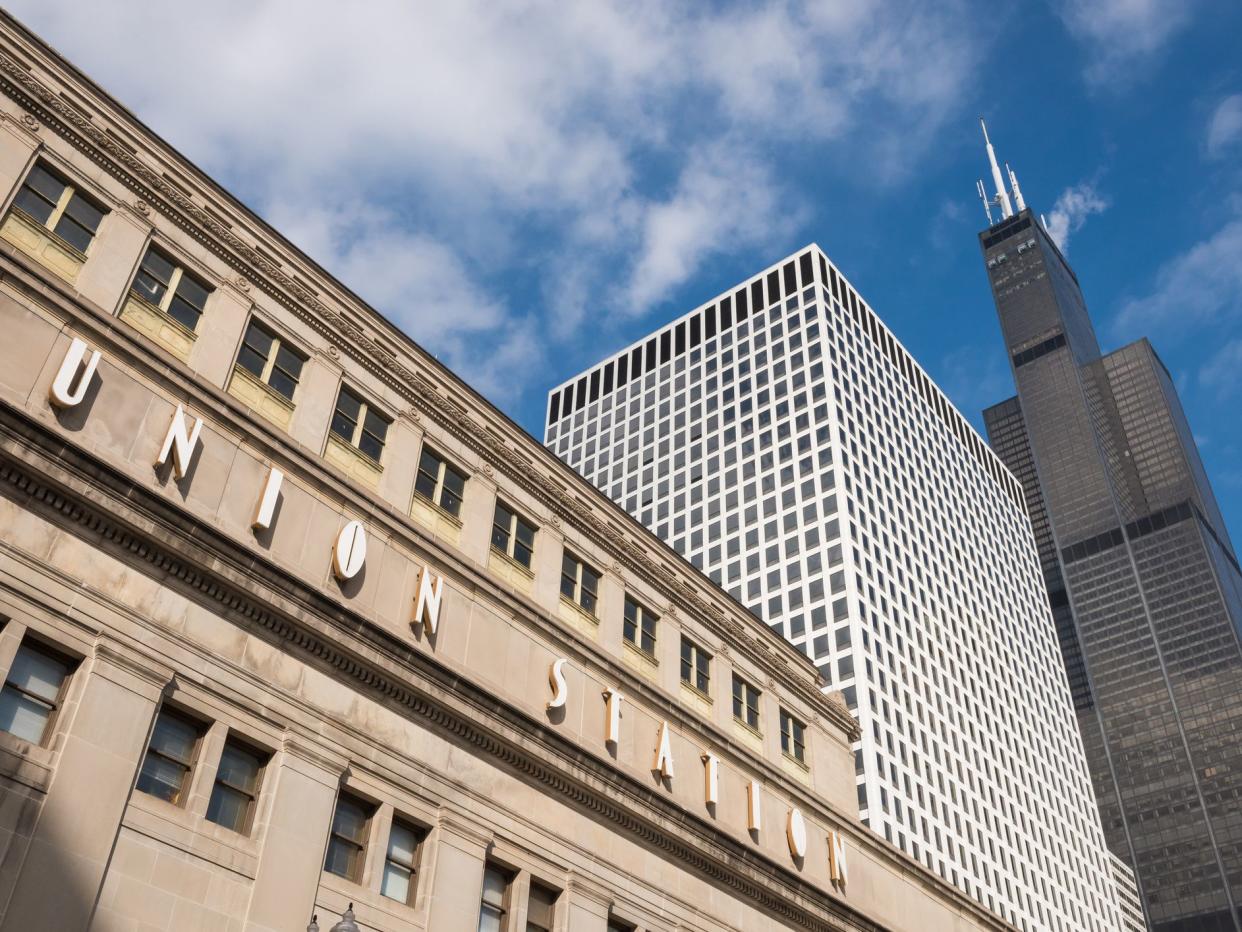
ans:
x=34 y=205
x=43 y=181
x=73 y=233
x=282 y=383
x=228 y=807
x=37 y=673
x=85 y=214
x=22 y=716
x=161 y=777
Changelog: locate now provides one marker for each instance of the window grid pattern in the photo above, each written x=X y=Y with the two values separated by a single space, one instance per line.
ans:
x=786 y=444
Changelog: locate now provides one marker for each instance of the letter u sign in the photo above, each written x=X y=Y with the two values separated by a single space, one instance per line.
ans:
x=72 y=380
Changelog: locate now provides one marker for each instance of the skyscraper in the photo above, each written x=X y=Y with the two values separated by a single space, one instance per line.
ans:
x=784 y=441
x=1142 y=578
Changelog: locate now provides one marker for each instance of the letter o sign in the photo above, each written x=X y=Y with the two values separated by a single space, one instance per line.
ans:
x=795 y=833
x=350 y=552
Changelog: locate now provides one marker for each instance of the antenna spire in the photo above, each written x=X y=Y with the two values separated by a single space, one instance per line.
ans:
x=1001 y=197
x=1018 y=202
x=983 y=196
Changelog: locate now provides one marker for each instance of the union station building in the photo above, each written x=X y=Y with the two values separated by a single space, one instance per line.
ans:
x=292 y=619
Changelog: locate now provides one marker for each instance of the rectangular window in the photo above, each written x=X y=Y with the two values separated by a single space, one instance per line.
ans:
x=33 y=692
x=616 y=925
x=579 y=582
x=440 y=483
x=270 y=359
x=347 y=844
x=639 y=627
x=513 y=535
x=540 y=908
x=237 y=784
x=56 y=205
x=170 y=756
x=745 y=702
x=696 y=665
x=401 y=862
x=164 y=283
x=495 y=899
x=358 y=423
x=793 y=737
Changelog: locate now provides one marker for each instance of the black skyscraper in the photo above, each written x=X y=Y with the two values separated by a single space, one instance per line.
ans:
x=1143 y=580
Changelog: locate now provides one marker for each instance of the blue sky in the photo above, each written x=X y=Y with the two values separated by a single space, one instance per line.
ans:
x=525 y=188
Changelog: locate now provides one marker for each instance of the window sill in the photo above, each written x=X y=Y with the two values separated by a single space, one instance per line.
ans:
x=29 y=764
x=159 y=326
x=372 y=909
x=506 y=568
x=696 y=699
x=578 y=616
x=641 y=661
x=260 y=397
x=192 y=833
x=520 y=567
x=352 y=461
x=435 y=519
x=42 y=245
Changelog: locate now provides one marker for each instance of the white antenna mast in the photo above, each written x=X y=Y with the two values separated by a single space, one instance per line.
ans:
x=1001 y=197
x=1018 y=202
x=983 y=196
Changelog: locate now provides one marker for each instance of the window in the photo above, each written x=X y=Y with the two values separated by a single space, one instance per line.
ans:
x=513 y=535
x=745 y=702
x=359 y=424
x=540 y=908
x=616 y=925
x=401 y=862
x=33 y=692
x=696 y=665
x=639 y=627
x=579 y=583
x=172 y=289
x=495 y=899
x=793 y=737
x=55 y=204
x=347 y=844
x=236 y=786
x=170 y=756
x=439 y=483
x=270 y=359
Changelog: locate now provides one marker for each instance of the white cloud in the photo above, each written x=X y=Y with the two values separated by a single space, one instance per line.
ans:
x=1071 y=210
x=1201 y=284
x=600 y=151
x=1223 y=372
x=1225 y=127
x=1118 y=36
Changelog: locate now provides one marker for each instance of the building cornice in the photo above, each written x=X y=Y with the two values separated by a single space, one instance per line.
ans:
x=485 y=430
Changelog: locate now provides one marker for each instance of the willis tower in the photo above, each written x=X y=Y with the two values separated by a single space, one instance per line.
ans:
x=1143 y=580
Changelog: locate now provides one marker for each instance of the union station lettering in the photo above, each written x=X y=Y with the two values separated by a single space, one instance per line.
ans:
x=349 y=555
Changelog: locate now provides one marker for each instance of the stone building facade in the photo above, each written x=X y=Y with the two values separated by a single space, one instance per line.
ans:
x=293 y=619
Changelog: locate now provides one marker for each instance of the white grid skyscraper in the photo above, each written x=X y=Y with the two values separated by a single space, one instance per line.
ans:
x=782 y=440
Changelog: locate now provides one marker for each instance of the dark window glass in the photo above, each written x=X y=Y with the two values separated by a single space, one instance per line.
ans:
x=540 y=908
x=695 y=666
x=793 y=737
x=347 y=842
x=170 y=755
x=495 y=899
x=153 y=277
x=745 y=702
x=236 y=786
x=639 y=626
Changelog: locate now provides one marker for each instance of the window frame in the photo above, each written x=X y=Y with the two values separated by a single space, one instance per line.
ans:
x=69 y=191
x=278 y=342
x=171 y=287
x=443 y=468
x=368 y=809
x=502 y=910
x=740 y=701
x=189 y=765
x=420 y=838
x=365 y=407
x=516 y=521
x=39 y=646
x=577 y=582
x=641 y=631
x=553 y=905
x=697 y=653
x=264 y=759
x=791 y=737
